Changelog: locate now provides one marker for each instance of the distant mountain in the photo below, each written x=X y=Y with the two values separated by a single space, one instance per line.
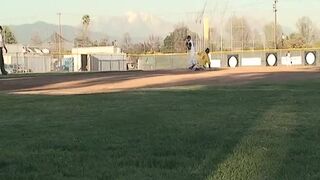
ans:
x=25 y=32
x=139 y=25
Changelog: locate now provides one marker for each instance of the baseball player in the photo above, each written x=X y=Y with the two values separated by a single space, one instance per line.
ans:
x=204 y=59
x=191 y=53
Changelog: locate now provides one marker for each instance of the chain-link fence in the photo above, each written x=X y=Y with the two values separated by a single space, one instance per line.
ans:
x=293 y=57
x=22 y=63
x=28 y=63
x=108 y=63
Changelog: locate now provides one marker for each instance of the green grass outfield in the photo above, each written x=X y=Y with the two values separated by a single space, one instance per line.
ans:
x=258 y=131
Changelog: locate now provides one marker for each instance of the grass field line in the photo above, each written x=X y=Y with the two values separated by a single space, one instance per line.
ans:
x=258 y=155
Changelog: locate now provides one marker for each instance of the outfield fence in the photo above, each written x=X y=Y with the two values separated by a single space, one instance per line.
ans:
x=26 y=63
x=287 y=57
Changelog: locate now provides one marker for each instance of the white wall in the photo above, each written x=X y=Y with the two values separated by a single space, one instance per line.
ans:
x=15 y=48
x=7 y=59
x=97 y=50
x=294 y=60
x=252 y=61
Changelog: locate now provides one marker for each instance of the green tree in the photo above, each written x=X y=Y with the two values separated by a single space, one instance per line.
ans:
x=296 y=40
x=175 y=41
x=168 y=44
x=154 y=43
x=9 y=36
x=86 y=22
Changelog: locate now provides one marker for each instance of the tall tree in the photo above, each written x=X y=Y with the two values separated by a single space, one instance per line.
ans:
x=215 y=39
x=268 y=30
x=316 y=42
x=36 y=40
x=56 y=43
x=154 y=43
x=175 y=41
x=239 y=29
x=86 y=22
x=257 y=42
x=296 y=40
x=83 y=40
x=307 y=29
x=103 y=42
x=9 y=36
x=168 y=44
x=126 y=42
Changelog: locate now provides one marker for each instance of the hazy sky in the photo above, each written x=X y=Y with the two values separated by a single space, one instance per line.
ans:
x=29 y=11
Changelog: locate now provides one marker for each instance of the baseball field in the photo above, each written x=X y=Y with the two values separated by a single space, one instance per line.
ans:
x=244 y=123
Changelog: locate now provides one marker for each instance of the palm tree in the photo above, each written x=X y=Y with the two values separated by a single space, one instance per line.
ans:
x=86 y=22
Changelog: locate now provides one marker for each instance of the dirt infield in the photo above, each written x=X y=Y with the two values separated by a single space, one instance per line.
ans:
x=89 y=83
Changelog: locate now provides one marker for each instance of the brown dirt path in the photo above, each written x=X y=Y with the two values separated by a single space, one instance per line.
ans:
x=90 y=83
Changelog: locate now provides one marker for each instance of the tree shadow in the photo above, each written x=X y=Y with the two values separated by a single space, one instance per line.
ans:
x=301 y=158
x=33 y=81
x=282 y=144
x=162 y=79
x=244 y=132
x=162 y=134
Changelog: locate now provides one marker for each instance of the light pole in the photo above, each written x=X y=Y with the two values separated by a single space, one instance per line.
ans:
x=231 y=32
x=60 y=35
x=275 y=10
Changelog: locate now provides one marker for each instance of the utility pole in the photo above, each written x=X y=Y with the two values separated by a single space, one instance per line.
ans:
x=221 y=26
x=253 y=39
x=231 y=35
x=242 y=34
x=201 y=21
x=221 y=37
x=275 y=10
x=231 y=32
x=60 y=35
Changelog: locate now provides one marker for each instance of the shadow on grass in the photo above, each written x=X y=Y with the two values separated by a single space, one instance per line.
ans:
x=19 y=82
x=282 y=143
x=302 y=157
x=99 y=83
x=180 y=134
x=160 y=134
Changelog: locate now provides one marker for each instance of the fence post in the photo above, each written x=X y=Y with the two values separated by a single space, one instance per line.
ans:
x=155 y=62
x=302 y=58
x=27 y=64
x=44 y=64
x=118 y=65
x=171 y=61
x=16 y=66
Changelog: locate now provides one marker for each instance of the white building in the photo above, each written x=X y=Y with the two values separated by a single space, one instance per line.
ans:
x=27 y=59
x=97 y=50
x=105 y=58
